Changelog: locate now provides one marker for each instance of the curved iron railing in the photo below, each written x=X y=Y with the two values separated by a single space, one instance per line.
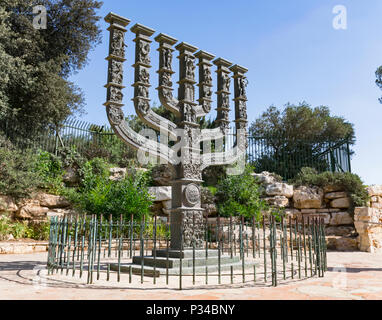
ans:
x=232 y=251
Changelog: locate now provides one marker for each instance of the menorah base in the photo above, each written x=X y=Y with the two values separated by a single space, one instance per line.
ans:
x=191 y=263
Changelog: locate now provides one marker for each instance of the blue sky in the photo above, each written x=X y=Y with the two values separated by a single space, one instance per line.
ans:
x=290 y=47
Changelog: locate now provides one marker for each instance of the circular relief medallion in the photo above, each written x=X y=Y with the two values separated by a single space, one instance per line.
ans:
x=192 y=194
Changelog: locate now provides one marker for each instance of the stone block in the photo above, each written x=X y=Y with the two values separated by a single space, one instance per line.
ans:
x=308 y=197
x=52 y=201
x=279 y=189
x=374 y=190
x=265 y=177
x=31 y=210
x=341 y=203
x=160 y=193
x=333 y=188
x=341 y=218
x=7 y=204
x=336 y=195
x=278 y=201
x=339 y=243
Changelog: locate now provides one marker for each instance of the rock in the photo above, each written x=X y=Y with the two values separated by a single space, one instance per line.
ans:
x=308 y=197
x=167 y=204
x=368 y=223
x=331 y=188
x=279 y=189
x=310 y=211
x=344 y=231
x=265 y=177
x=157 y=208
x=339 y=243
x=71 y=177
x=52 y=201
x=335 y=195
x=341 y=203
x=31 y=210
x=59 y=212
x=278 y=201
x=374 y=190
x=160 y=193
x=341 y=218
x=293 y=213
x=210 y=209
x=324 y=216
x=117 y=173
x=163 y=175
x=7 y=204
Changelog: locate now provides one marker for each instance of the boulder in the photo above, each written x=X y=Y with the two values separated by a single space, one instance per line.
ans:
x=277 y=201
x=374 y=190
x=332 y=188
x=7 y=204
x=52 y=201
x=335 y=195
x=167 y=204
x=341 y=218
x=71 y=177
x=279 y=189
x=341 y=203
x=163 y=175
x=157 y=208
x=59 y=212
x=308 y=197
x=368 y=223
x=117 y=173
x=339 y=243
x=344 y=231
x=324 y=216
x=31 y=209
x=160 y=193
x=210 y=209
x=265 y=177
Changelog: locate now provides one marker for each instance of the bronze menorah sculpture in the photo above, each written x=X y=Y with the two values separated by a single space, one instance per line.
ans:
x=187 y=160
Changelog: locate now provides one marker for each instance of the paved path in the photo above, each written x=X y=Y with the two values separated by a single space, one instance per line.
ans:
x=351 y=275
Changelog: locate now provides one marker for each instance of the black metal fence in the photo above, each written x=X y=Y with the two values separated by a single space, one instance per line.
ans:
x=233 y=251
x=281 y=156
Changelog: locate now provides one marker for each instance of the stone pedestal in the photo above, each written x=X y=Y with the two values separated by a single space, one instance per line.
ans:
x=186 y=258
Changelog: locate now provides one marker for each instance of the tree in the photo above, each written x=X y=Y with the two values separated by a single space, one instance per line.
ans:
x=295 y=137
x=35 y=63
x=378 y=81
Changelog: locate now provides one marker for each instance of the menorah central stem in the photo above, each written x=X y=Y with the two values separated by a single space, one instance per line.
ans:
x=186 y=218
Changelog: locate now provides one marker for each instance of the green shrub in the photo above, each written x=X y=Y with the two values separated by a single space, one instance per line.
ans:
x=350 y=182
x=23 y=229
x=18 y=177
x=99 y=195
x=240 y=195
x=50 y=170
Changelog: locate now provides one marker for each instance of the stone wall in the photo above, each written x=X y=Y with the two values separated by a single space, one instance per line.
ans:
x=331 y=203
x=40 y=207
x=368 y=222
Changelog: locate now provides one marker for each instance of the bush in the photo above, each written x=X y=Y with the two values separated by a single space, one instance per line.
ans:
x=240 y=195
x=350 y=182
x=18 y=177
x=99 y=195
x=23 y=229
x=49 y=169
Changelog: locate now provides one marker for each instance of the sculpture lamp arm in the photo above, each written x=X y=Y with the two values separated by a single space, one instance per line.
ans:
x=114 y=97
x=165 y=73
x=142 y=83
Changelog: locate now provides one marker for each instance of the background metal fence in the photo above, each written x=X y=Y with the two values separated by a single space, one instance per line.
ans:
x=279 y=155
